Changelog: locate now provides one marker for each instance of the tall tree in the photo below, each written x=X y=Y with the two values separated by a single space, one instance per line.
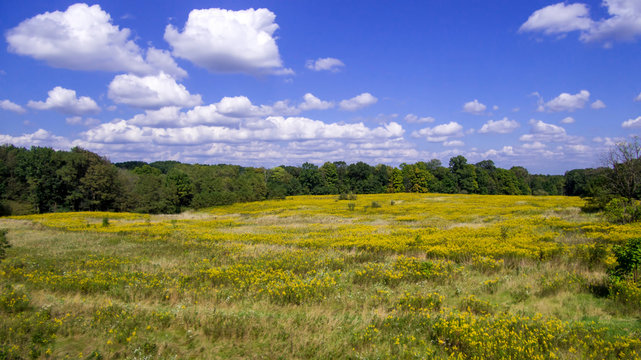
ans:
x=625 y=161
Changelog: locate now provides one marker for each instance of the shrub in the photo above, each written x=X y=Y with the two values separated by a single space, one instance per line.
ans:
x=628 y=258
x=375 y=205
x=351 y=206
x=474 y=305
x=626 y=292
x=4 y=243
x=622 y=211
x=345 y=196
x=13 y=300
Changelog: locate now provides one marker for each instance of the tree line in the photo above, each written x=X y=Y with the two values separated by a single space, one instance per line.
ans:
x=40 y=180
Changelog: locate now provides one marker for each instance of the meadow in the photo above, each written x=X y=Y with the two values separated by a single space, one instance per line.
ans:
x=406 y=276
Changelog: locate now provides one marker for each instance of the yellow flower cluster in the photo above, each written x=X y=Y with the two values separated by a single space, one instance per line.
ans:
x=403 y=269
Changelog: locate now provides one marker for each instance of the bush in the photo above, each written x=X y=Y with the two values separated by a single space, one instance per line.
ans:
x=622 y=211
x=345 y=196
x=626 y=292
x=628 y=259
x=474 y=305
x=4 y=243
x=375 y=205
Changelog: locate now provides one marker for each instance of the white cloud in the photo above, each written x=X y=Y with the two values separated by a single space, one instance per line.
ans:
x=632 y=123
x=495 y=107
x=358 y=102
x=598 y=105
x=229 y=41
x=11 y=106
x=78 y=120
x=440 y=133
x=638 y=98
x=505 y=150
x=474 y=107
x=39 y=138
x=273 y=128
x=567 y=120
x=578 y=148
x=314 y=103
x=327 y=64
x=623 y=24
x=558 y=18
x=413 y=119
x=544 y=132
x=453 y=143
x=504 y=126
x=229 y=111
x=153 y=91
x=65 y=101
x=163 y=62
x=567 y=102
x=240 y=106
x=83 y=38
x=607 y=141
x=534 y=146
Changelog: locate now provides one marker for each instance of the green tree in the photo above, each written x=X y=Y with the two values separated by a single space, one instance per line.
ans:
x=330 y=176
x=523 y=178
x=396 y=181
x=181 y=185
x=99 y=186
x=465 y=175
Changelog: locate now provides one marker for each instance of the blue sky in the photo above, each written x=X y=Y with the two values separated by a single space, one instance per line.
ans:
x=546 y=85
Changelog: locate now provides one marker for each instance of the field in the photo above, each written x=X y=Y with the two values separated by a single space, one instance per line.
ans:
x=407 y=276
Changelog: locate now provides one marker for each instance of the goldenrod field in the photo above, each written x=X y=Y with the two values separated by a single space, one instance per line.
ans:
x=409 y=276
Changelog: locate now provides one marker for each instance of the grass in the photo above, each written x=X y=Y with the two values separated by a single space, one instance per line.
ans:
x=421 y=276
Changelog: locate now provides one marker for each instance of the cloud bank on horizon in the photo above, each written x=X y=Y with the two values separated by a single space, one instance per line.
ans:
x=236 y=86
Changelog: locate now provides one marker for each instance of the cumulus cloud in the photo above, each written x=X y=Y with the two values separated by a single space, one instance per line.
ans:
x=607 y=141
x=453 y=143
x=504 y=126
x=324 y=64
x=558 y=18
x=65 y=101
x=632 y=123
x=273 y=128
x=228 y=41
x=598 y=105
x=567 y=120
x=544 y=132
x=413 y=119
x=39 y=138
x=474 y=107
x=313 y=103
x=440 y=133
x=153 y=91
x=358 y=102
x=638 y=98
x=578 y=148
x=534 y=146
x=567 y=102
x=623 y=23
x=83 y=38
x=11 y=106
x=78 y=120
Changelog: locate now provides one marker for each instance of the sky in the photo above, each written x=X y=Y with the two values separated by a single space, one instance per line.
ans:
x=541 y=84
